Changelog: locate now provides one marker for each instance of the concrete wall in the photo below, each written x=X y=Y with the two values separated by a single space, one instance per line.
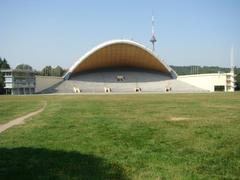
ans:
x=44 y=82
x=206 y=81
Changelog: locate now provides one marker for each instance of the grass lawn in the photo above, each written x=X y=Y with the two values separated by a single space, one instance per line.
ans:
x=15 y=106
x=158 y=136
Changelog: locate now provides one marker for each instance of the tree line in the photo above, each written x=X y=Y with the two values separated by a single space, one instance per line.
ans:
x=186 y=70
x=46 y=71
x=51 y=71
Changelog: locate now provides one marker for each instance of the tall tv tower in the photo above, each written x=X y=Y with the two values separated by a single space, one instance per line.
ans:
x=232 y=59
x=153 y=39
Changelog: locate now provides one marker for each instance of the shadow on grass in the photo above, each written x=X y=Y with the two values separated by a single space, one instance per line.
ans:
x=30 y=163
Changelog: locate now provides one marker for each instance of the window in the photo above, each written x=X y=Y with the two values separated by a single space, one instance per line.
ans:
x=8 y=79
x=219 y=88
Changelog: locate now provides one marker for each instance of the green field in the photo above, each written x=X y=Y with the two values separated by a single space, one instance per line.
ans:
x=158 y=136
x=18 y=106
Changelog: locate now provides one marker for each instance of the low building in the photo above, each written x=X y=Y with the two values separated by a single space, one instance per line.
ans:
x=19 y=82
x=211 y=82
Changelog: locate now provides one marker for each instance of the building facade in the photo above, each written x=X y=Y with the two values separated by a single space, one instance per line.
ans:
x=211 y=82
x=19 y=82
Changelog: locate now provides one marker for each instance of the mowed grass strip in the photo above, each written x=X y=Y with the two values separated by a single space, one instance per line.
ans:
x=12 y=107
x=174 y=136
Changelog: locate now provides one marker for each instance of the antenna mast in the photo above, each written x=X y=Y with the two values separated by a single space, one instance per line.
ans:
x=232 y=59
x=153 y=39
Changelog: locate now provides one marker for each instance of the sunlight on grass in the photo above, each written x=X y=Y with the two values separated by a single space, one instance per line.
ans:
x=173 y=136
x=15 y=106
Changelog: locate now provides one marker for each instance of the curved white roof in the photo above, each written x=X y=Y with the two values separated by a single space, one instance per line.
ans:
x=120 y=53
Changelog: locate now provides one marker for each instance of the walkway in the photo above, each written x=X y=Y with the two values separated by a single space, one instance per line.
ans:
x=20 y=120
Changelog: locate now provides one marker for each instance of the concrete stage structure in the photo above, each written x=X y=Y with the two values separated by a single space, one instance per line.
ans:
x=123 y=66
x=120 y=53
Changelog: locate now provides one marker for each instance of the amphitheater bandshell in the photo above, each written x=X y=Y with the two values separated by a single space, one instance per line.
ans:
x=120 y=53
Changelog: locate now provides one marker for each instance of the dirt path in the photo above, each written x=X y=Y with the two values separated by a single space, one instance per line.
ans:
x=20 y=120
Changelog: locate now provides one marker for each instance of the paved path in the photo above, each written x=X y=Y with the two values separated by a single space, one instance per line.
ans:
x=20 y=120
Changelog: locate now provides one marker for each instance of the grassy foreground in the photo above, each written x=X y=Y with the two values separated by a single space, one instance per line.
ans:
x=18 y=106
x=165 y=136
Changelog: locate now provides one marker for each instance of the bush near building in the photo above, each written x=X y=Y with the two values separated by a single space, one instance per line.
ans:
x=3 y=65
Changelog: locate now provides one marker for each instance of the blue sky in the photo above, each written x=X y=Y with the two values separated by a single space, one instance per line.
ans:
x=58 y=32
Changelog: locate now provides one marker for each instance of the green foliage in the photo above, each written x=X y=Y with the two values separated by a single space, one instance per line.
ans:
x=164 y=136
x=58 y=71
x=185 y=70
x=47 y=71
x=24 y=67
x=3 y=65
x=238 y=82
x=1 y=83
x=50 y=71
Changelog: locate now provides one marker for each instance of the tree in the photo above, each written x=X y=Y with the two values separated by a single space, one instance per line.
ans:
x=25 y=67
x=3 y=65
x=58 y=71
x=1 y=83
x=50 y=71
x=237 y=82
x=47 y=71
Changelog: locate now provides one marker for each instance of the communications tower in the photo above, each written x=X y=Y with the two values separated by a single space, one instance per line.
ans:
x=153 y=39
